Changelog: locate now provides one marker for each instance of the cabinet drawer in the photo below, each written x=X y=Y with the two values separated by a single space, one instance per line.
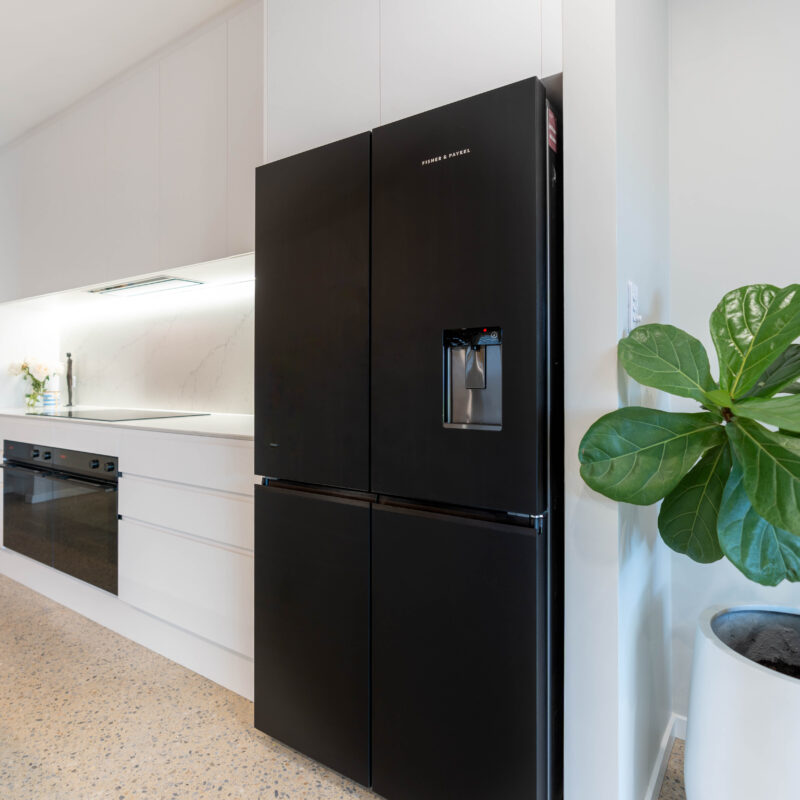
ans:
x=199 y=586
x=225 y=518
x=224 y=464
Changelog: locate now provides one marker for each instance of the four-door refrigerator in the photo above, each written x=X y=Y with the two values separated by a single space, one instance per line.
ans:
x=409 y=550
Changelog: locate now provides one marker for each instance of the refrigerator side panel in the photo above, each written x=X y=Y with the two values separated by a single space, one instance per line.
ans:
x=555 y=525
x=456 y=614
x=312 y=316
x=312 y=626
x=459 y=303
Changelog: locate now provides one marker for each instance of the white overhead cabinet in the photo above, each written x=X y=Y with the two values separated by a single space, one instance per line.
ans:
x=154 y=171
x=193 y=171
x=337 y=69
x=131 y=221
x=436 y=53
x=323 y=72
x=245 y=124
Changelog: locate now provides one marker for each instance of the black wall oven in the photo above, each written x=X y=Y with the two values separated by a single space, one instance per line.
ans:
x=60 y=508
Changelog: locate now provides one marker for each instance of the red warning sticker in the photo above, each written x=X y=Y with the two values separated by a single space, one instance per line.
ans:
x=552 y=130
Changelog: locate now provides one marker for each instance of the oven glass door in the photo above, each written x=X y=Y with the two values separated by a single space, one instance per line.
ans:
x=83 y=516
x=27 y=496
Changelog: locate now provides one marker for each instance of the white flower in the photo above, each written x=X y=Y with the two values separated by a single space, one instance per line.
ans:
x=15 y=369
x=39 y=370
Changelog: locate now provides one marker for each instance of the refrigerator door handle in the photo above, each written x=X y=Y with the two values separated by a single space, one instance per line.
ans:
x=331 y=493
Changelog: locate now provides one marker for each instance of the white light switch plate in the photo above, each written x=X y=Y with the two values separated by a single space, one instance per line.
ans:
x=634 y=317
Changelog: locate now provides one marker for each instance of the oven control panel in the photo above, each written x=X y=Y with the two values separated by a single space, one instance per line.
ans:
x=73 y=462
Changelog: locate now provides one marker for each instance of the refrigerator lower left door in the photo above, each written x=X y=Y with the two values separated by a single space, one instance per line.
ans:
x=312 y=599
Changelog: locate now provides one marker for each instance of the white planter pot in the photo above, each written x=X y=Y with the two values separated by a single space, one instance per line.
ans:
x=743 y=737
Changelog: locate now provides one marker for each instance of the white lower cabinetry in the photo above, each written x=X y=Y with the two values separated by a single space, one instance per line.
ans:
x=185 y=544
x=201 y=586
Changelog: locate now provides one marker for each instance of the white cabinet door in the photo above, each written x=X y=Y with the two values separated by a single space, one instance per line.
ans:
x=10 y=173
x=63 y=202
x=199 y=586
x=245 y=123
x=552 y=37
x=322 y=72
x=193 y=151
x=82 y=234
x=131 y=118
x=433 y=53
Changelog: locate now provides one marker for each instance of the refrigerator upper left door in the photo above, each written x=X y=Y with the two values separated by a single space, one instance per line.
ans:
x=312 y=316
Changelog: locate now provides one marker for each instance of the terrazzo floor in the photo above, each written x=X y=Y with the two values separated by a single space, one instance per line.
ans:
x=86 y=714
x=672 y=788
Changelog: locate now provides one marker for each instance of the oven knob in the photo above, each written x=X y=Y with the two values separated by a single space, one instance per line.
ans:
x=95 y=463
x=35 y=452
x=110 y=466
x=47 y=456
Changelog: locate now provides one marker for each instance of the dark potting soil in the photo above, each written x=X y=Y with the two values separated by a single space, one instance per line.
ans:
x=769 y=638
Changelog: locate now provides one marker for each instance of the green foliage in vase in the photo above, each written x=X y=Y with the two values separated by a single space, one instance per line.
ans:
x=729 y=474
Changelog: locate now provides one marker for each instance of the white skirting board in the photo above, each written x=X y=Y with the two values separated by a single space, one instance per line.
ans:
x=676 y=729
x=221 y=665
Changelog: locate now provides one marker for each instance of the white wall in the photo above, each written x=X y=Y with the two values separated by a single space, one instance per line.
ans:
x=24 y=333
x=190 y=349
x=642 y=256
x=618 y=699
x=591 y=746
x=337 y=69
x=734 y=129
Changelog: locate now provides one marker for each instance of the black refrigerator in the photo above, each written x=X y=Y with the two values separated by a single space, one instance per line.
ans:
x=409 y=446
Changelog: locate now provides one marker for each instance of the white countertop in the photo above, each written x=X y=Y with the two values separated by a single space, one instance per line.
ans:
x=226 y=426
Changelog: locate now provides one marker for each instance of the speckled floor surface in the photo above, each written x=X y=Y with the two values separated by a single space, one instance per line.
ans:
x=672 y=788
x=88 y=715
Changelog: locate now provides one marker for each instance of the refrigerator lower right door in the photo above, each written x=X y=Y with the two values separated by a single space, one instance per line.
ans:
x=457 y=669
x=312 y=584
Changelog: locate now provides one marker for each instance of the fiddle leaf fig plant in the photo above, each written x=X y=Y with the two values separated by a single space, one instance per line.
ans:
x=729 y=474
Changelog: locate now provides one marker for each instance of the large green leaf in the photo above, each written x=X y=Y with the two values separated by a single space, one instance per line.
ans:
x=771 y=463
x=638 y=455
x=732 y=323
x=667 y=358
x=782 y=412
x=792 y=388
x=751 y=327
x=688 y=517
x=779 y=374
x=764 y=553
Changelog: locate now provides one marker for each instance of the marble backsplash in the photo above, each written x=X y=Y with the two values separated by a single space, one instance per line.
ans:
x=189 y=349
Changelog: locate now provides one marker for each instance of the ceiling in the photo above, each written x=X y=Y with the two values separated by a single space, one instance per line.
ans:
x=56 y=51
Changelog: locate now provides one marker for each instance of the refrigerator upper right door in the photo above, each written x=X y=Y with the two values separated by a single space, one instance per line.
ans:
x=459 y=303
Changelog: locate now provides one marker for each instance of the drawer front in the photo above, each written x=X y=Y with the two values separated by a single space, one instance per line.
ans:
x=72 y=435
x=199 y=586
x=222 y=517
x=224 y=464
x=69 y=434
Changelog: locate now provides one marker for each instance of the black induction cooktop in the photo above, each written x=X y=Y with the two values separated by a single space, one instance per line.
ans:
x=113 y=414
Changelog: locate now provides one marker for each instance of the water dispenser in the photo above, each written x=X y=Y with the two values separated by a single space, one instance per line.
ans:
x=473 y=378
